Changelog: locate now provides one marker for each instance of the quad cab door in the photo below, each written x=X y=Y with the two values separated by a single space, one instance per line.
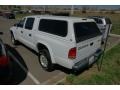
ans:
x=28 y=32
x=18 y=30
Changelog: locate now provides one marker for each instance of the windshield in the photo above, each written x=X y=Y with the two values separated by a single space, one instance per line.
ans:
x=85 y=30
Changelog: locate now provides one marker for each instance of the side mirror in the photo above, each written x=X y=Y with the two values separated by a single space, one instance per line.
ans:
x=1 y=33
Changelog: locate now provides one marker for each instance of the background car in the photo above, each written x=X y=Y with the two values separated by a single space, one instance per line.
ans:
x=9 y=15
x=103 y=23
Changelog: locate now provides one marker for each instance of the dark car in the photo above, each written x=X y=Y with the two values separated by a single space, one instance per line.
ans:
x=11 y=73
x=5 y=66
x=9 y=15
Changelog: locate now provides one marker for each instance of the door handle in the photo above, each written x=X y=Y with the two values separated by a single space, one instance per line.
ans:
x=30 y=35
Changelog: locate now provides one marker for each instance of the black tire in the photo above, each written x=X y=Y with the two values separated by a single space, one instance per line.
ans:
x=14 y=42
x=49 y=65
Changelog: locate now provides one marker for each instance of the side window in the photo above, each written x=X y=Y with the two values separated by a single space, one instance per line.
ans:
x=56 y=27
x=29 y=23
x=21 y=23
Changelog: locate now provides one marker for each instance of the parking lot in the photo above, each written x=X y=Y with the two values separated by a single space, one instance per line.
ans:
x=35 y=74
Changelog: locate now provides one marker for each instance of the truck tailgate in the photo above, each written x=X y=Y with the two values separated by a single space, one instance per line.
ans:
x=87 y=48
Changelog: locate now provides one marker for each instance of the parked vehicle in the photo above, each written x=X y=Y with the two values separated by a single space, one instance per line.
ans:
x=5 y=66
x=103 y=23
x=9 y=15
x=72 y=42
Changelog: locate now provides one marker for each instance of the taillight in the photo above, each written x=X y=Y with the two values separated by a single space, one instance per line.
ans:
x=72 y=53
x=4 y=60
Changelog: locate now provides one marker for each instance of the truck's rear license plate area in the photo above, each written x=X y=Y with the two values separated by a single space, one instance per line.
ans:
x=91 y=60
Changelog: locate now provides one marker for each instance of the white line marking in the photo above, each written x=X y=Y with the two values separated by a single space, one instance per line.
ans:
x=53 y=78
x=29 y=73
x=61 y=80
x=33 y=78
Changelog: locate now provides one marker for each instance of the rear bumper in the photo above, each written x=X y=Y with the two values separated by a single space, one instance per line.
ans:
x=82 y=64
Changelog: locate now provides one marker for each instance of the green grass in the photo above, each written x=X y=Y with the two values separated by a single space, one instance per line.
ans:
x=109 y=75
x=116 y=28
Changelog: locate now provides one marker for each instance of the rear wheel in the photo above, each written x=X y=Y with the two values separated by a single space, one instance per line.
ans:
x=45 y=60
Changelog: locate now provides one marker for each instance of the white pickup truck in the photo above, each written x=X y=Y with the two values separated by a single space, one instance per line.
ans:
x=71 y=42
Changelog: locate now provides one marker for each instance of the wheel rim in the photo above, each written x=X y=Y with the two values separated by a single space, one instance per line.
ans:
x=43 y=61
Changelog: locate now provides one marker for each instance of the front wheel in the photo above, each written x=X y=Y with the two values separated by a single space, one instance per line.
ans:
x=14 y=42
x=45 y=60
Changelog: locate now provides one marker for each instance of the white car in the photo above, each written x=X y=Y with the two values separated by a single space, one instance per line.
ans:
x=104 y=24
x=71 y=42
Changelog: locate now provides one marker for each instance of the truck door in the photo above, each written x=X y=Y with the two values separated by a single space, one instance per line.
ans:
x=28 y=32
x=19 y=30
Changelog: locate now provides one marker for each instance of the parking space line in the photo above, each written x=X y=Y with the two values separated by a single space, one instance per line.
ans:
x=52 y=78
x=33 y=78
x=29 y=73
